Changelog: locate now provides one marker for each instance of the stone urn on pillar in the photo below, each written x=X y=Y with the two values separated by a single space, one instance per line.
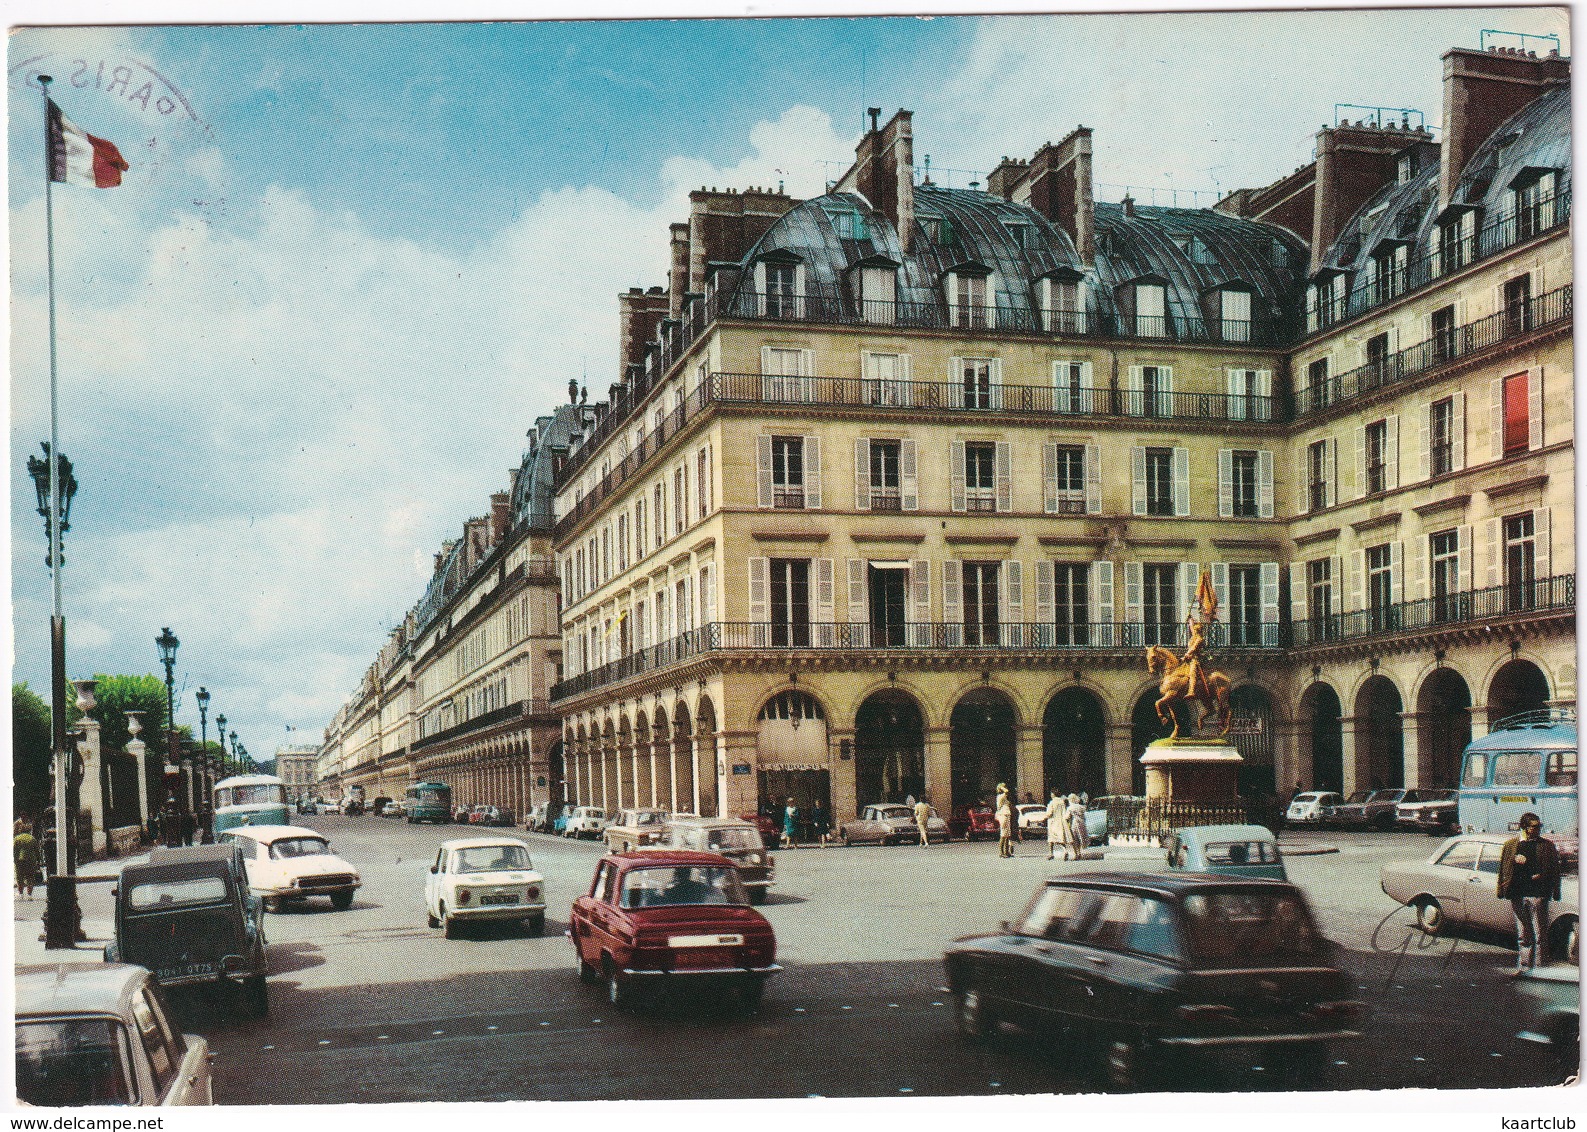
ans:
x=91 y=795
x=139 y=752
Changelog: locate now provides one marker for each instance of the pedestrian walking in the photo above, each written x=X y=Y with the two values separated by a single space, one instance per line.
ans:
x=923 y=820
x=25 y=857
x=1005 y=822
x=818 y=823
x=1057 y=826
x=1075 y=812
x=1529 y=879
x=790 y=825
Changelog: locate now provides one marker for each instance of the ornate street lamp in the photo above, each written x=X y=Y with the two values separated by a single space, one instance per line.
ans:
x=205 y=782
x=220 y=722
x=168 y=644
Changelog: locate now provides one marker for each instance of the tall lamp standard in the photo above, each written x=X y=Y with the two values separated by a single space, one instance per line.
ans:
x=206 y=781
x=55 y=485
x=225 y=767
x=235 y=758
x=168 y=644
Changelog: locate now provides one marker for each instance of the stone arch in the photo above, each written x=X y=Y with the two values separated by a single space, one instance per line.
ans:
x=889 y=748
x=1322 y=736
x=981 y=746
x=556 y=773
x=1443 y=727
x=1380 y=734
x=701 y=765
x=1519 y=685
x=1074 y=742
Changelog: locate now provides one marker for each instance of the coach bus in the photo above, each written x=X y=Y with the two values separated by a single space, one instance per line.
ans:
x=250 y=799
x=429 y=801
x=1527 y=762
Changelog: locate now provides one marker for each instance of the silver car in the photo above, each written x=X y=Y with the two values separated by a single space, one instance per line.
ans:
x=1311 y=807
x=101 y=1034
x=1456 y=888
x=890 y=823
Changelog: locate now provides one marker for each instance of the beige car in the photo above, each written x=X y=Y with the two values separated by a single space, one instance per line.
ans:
x=101 y=1034
x=738 y=841
x=636 y=829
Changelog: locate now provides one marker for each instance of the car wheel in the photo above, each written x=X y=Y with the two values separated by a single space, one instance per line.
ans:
x=1429 y=915
x=1128 y=1063
x=256 y=996
x=341 y=901
x=618 y=990
x=757 y=896
x=1562 y=940
x=973 y=1015
x=844 y=837
x=449 y=926
x=272 y=904
x=587 y=972
x=429 y=918
x=536 y=924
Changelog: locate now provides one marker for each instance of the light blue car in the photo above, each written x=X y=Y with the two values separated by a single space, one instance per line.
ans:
x=1237 y=850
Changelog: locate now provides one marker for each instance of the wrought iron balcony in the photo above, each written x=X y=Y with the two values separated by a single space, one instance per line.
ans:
x=1468 y=606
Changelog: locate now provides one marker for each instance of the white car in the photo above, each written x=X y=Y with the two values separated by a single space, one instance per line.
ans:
x=586 y=821
x=288 y=863
x=1032 y=818
x=1309 y=808
x=323 y=808
x=484 y=878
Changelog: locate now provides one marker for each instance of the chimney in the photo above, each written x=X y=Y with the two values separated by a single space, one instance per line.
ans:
x=1128 y=205
x=884 y=173
x=1354 y=161
x=1056 y=182
x=1483 y=90
x=723 y=226
x=678 y=274
x=500 y=516
x=639 y=313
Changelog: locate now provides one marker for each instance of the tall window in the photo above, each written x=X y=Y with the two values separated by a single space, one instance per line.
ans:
x=1069 y=387
x=1070 y=478
x=1235 y=312
x=980 y=477
x=702 y=486
x=790 y=602
x=1320 y=598
x=1317 y=474
x=1534 y=206
x=967 y=296
x=1443 y=551
x=1159 y=602
x=980 y=603
x=1377 y=438
x=1317 y=388
x=1071 y=603
x=1151 y=311
x=1244 y=465
x=1155 y=392
x=639 y=529
x=1518 y=305
x=885 y=484
x=788 y=472
x=889 y=586
x=680 y=498
x=660 y=511
x=1159 y=481
x=1517 y=422
x=1441 y=436
x=1443 y=327
x=1520 y=561
x=782 y=295
x=1064 y=313
x=1377 y=360
x=1380 y=588
x=878 y=294
x=1245 y=605
x=975 y=383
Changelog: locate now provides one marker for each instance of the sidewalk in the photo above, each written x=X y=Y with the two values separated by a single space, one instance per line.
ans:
x=98 y=921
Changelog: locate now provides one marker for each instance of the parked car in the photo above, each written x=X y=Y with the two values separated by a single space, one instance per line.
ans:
x=1555 y=992
x=1431 y=811
x=738 y=841
x=490 y=815
x=396 y=808
x=635 y=829
x=656 y=918
x=890 y=823
x=538 y=819
x=973 y=822
x=307 y=806
x=101 y=1034
x=484 y=878
x=585 y=821
x=1232 y=850
x=1454 y=890
x=1152 y=967
x=1367 y=810
x=352 y=807
x=1311 y=807
x=288 y=863
x=188 y=916
x=770 y=828
x=378 y=806
x=1031 y=819
x=323 y=808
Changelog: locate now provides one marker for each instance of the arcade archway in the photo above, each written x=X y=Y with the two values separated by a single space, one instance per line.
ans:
x=1074 y=744
x=1443 y=727
x=1519 y=686
x=889 y=749
x=981 y=746
x=1144 y=728
x=1322 y=738
x=1252 y=706
x=1380 y=735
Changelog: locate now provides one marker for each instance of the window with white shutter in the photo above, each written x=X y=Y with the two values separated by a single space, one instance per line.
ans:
x=920 y=599
x=823 y=614
x=862 y=474
x=952 y=603
x=1005 y=476
x=1181 y=481
x=1103 y=616
x=1072 y=387
x=759 y=598
x=908 y=476
x=957 y=476
x=812 y=448
x=786 y=374
x=1093 y=458
x=859 y=608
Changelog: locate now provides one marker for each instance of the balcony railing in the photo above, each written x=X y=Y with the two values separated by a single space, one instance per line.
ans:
x=1545 y=310
x=1541 y=595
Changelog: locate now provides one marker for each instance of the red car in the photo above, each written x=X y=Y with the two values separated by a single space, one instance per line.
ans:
x=770 y=829
x=657 y=918
x=972 y=822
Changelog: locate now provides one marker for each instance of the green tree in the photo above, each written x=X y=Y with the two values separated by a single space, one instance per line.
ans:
x=30 y=751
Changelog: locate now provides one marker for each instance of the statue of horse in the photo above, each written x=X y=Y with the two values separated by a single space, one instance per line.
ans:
x=1180 y=681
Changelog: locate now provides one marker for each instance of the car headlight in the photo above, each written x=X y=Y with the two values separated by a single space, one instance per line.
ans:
x=464 y=896
x=533 y=892
x=754 y=858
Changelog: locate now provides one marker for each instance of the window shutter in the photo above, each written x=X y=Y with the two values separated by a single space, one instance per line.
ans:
x=956 y=383
x=1234 y=390
x=858 y=612
x=1138 y=480
x=822 y=610
x=1358 y=574
x=862 y=474
x=1132 y=593
x=1297 y=592
x=1093 y=480
x=1336 y=584
x=1264 y=483
x=1303 y=480
x=1463 y=561
x=994 y=376
x=1496 y=417
x=1005 y=476
x=707 y=593
x=1189 y=579
x=1416 y=569
x=908 y=479
x=1534 y=406
x=763 y=468
x=1493 y=551
x=1133 y=381
x=1361 y=461
x=760 y=287
x=1268 y=575
x=958 y=475
x=1165 y=391
x=1391 y=458
x=1424 y=441
x=1220 y=583
x=1457 y=429
x=812 y=473
x=1102 y=612
x=1049 y=478
x=1396 y=572
x=1331 y=470
x=920 y=598
x=1044 y=609
x=1015 y=589
x=952 y=613
x=1542 y=544
x=759 y=593
x=1225 y=483
x=1181 y=481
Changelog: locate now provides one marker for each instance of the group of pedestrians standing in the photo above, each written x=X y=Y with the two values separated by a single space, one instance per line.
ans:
x=1066 y=824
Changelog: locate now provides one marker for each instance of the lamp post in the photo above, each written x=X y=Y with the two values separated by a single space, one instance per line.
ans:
x=168 y=644
x=234 y=757
x=220 y=723
x=205 y=781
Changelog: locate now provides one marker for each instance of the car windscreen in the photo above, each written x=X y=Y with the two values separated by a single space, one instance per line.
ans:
x=260 y=794
x=72 y=1061
x=189 y=892
x=1241 y=853
x=492 y=859
x=1249 y=928
x=655 y=817
x=718 y=839
x=682 y=884
x=289 y=847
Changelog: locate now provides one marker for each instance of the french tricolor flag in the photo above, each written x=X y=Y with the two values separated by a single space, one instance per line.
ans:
x=78 y=158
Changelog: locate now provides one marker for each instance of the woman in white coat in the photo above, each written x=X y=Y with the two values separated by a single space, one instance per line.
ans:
x=1076 y=813
x=1057 y=826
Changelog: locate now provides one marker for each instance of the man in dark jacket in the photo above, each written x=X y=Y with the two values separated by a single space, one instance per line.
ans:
x=1529 y=879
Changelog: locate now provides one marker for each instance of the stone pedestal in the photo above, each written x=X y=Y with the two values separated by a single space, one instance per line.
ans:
x=1191 y=770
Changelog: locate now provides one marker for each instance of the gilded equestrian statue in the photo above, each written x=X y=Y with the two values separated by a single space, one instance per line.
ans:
x=1188 y=678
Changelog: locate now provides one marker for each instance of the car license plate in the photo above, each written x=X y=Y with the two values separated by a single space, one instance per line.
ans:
x=703 y=957
x=732 y=940
x=185 y=969
x=500 y=898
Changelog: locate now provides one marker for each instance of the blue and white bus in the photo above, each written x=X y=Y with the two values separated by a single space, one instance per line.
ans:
x=1527 y=762
x=250 y=799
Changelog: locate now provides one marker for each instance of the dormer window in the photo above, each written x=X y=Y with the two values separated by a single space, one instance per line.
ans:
x=1231 y=310
x=850 y=225
x=968 y=292
x=780 y=285
x=1389 y=265
x=1146 y=309
x=876 y=292
x=1457 y=240
x=1325 y=301
x=939 y=230
x=1532 y=199
x=1019 y=232
x=1063 y=306
x=1405 y=169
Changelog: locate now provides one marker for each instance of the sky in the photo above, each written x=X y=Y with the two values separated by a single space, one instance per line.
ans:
x=349 y=266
